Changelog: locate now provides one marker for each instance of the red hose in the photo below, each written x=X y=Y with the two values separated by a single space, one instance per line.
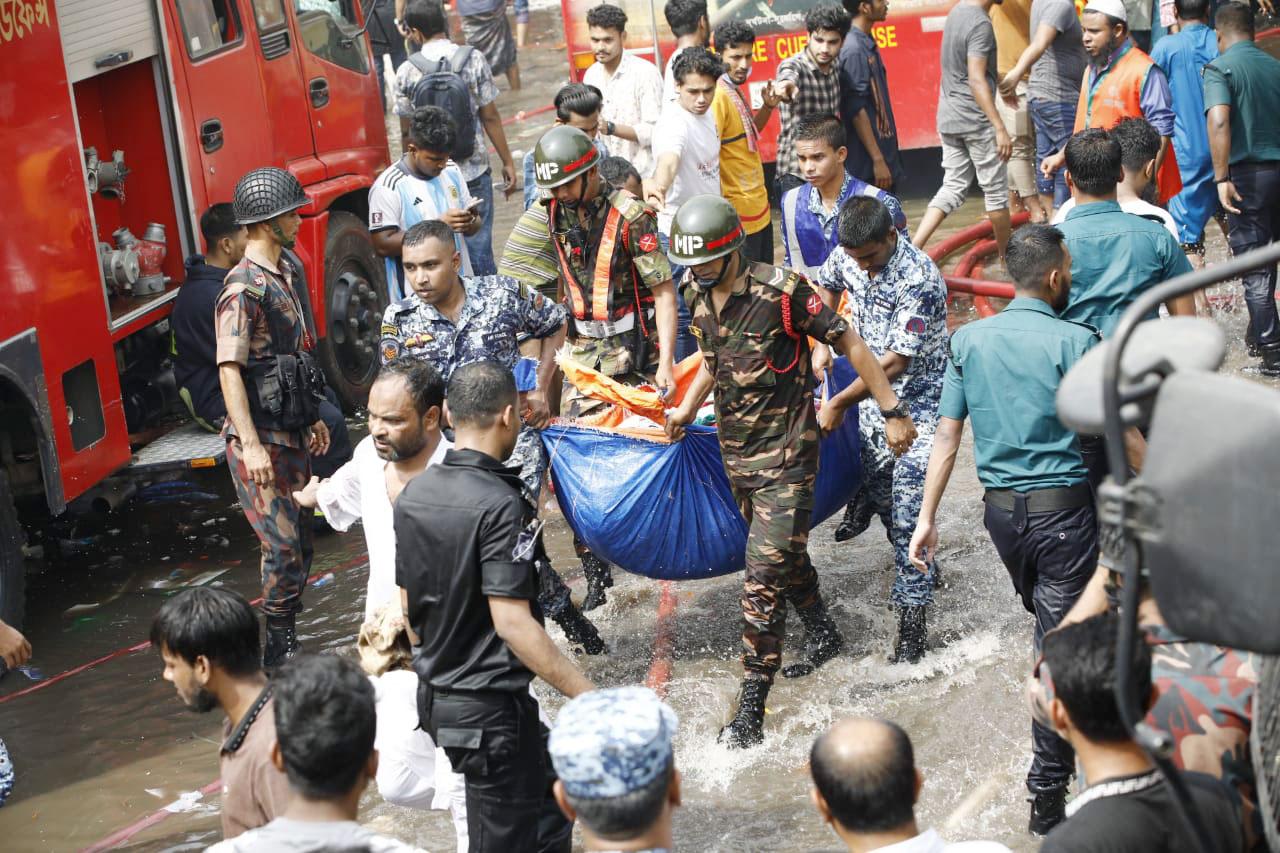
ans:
x=982 y=304
x=953 y=242
x=977 y=287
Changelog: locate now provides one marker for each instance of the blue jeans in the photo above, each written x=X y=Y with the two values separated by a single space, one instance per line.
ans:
x=1256 y=225
x=1054 y=122
x=685 y=343
x=480 y=244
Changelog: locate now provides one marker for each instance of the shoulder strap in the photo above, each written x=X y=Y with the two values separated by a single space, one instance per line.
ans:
x=420 y=62
x=461 y=57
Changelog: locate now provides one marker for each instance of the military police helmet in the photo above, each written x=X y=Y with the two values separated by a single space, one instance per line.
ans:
x=562 y=154
x=265 y=194
x=704 y=228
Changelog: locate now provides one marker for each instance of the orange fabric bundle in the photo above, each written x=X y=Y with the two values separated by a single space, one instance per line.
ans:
x=626 y=399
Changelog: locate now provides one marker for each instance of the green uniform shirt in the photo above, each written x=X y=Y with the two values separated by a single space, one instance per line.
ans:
x=1003 y=375
x=764 y=380
x=1247 y=79
x=1115 y=257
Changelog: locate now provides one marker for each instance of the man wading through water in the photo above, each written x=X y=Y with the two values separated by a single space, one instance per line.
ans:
x=753 y=323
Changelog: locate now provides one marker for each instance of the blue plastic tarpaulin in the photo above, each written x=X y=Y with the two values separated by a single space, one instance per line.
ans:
x=666 y=511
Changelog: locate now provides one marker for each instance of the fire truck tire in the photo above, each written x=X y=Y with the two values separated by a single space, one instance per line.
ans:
x=355 y=297
x=13 y=576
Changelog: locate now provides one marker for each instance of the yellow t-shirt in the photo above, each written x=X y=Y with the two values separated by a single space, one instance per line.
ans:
x=741 y=172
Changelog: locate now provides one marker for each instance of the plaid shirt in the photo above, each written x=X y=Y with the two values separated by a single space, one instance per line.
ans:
x=818 y=93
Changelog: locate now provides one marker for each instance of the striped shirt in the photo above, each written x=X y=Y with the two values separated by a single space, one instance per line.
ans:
x=530 y=258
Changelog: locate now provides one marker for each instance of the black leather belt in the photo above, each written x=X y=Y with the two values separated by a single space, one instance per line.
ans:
x=1042 y=500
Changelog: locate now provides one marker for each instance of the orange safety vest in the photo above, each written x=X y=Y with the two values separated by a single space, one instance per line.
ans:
x=1116 y=95
x=594 y=305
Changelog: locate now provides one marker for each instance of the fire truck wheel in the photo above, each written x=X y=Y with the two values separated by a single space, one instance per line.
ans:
x=12 y=569
x=355 y=296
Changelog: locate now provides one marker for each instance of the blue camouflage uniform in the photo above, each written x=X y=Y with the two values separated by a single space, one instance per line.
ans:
x=610 y=743
x=498 y=313
x=903 y=309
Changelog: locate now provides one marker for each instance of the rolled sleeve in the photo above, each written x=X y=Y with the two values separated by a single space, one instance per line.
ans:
x=953 y=404
x=1217 y=92
x=910 y=323
x=235 y=315
x=339 y=496
x=501 y=574
x=653 y=267
x=823 y=324
x=831 y=273
x=1157 y=102
x=539 y=316
x=788 y=70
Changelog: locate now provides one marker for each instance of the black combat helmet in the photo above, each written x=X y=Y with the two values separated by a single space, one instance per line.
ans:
x=265 y=194
x=704 y=228
x=562 y=154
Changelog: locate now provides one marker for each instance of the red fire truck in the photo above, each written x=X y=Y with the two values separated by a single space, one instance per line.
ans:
x=909 y=40
x=120 y=121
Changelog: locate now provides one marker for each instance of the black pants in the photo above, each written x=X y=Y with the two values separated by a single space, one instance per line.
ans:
x=1257 y=224
x=759 y=246
x=1050 y=557
x=340 y=450
x=497 y=742
x=785 y=182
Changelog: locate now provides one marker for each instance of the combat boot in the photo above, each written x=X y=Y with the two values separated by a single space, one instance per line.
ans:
x=579 y=630
x=1048 y=809
x=1270 y=359
x=912 y=635
x=282 y=641
x=746 y=729
x=822 y=641
x=599 y=578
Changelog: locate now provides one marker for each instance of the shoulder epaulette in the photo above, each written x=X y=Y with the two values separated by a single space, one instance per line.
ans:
x=779 y=278
x=629 y=206
x=401 y=306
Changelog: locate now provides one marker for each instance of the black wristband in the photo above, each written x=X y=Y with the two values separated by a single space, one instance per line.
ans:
x=1222 y=180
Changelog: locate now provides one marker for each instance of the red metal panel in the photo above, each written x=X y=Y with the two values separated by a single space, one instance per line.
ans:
x=47 y=249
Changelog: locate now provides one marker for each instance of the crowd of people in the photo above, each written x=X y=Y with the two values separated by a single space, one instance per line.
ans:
x=648 y=238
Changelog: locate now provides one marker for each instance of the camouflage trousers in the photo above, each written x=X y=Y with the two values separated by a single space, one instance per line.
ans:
x=893 y=489
x=531 y=457
x=778 y=570
x=283 y=527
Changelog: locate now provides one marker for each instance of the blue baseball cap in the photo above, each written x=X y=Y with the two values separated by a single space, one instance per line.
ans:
x=608 y=743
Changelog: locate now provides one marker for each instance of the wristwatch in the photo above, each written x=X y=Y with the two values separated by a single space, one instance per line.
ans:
x=898 y=411
x=609 y=128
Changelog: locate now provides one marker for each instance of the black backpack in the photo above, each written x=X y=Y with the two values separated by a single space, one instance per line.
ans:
x=442 y=85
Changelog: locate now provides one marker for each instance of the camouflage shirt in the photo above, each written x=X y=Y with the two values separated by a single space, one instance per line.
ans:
x=638 y=263
x=1206 y=704
x=497 y=311
x=764 y=380
x=251 y=294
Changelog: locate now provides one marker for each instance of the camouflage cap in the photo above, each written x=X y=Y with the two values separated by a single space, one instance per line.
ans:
x=608 y=743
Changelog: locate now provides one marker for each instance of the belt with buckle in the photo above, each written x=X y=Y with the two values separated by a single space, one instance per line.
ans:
x=1042 y=500
x=601 y=329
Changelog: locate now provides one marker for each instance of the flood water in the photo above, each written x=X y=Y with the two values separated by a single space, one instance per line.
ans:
x=110 y=746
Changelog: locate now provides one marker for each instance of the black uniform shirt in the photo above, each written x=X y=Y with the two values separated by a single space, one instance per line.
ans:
x=461 y=537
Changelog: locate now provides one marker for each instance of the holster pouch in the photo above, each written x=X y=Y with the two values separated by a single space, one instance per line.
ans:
x=284 y=392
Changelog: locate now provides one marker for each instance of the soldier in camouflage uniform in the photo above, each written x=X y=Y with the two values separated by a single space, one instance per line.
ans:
x=615 y=280
x=898 y=303
x=259 y=319
x=451 y=320
x=753 y=323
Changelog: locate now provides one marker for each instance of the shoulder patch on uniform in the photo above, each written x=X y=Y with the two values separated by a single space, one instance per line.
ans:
x=391 y=349
x=814 y=305
x=695 y=331
x=648 y=242
x=629 y=206
x=916 y=325
x=390 y=329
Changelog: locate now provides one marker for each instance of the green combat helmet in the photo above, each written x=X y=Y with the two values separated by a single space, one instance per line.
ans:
x=705 y=227
x=562 y=154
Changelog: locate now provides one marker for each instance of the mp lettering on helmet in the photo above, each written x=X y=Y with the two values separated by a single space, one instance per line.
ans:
x=547 y=171
x=687 y=244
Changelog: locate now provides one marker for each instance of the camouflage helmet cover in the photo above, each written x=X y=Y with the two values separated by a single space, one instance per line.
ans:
x=562 y=154
x=265 y=194
x=704 y=228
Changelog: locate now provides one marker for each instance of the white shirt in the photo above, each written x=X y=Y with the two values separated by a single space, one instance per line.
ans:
x=632 y=96
x=1136 y=206
x=930 y=842
x=695 y=140
x=669 y=92
x=358 y=492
